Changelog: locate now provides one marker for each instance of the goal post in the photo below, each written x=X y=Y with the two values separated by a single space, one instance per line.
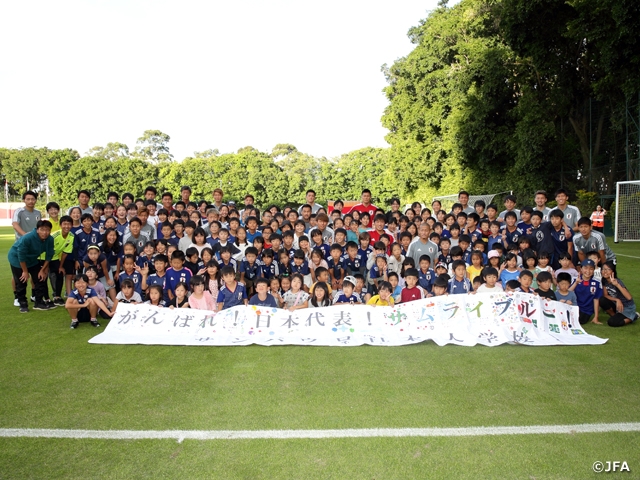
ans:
x=627 y=215
x=447 y=201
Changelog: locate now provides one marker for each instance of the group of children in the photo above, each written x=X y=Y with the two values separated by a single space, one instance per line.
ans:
x=214 y=256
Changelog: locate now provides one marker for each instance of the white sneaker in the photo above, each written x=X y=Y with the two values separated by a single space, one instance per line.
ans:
x=16 y=303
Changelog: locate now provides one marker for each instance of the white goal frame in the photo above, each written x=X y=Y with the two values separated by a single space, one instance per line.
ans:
x=616 y=236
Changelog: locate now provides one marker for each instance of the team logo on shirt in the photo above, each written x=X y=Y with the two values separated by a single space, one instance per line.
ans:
x=592 y=289
x=539 y=236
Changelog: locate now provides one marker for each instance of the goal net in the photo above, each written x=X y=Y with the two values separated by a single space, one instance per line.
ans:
x=447 y=201
x=627 y=226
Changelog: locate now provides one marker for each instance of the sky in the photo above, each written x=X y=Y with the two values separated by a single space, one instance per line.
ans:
x=211 y=74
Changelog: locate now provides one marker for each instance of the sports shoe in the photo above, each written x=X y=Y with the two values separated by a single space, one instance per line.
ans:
x=50 y=304
x=16 y=302
x=58 y=301
x=41 y=306
x=95 y=323
x=74 y=324
x=24 y=309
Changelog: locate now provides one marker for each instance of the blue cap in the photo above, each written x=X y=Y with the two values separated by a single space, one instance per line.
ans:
x=588 y=263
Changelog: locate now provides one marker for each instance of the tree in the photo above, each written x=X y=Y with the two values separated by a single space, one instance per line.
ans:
x=153 y=146
x=113 y=151
x=25 y=167
x=500 y=92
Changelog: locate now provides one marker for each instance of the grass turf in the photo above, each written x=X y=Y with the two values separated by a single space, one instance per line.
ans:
x=50 y=377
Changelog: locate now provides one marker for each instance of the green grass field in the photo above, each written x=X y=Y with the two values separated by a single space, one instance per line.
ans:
x=50 y=377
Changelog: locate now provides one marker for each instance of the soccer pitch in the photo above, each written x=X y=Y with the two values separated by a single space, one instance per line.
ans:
x=429 y=399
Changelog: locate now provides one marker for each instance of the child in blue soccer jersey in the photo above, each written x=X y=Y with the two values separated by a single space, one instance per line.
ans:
x=131 y=272
x=177 y=273
x=526 y=279
x=268 y=268
x=351 y=262
x=300 y=265
x=225 y=258
x=347 y=295
x=426 y=275
x=249 y=269
x=618 y=301
x=460 y=284
x=83 y=303
x=232 y=293
x=588 y=293
x=335 y=266
x=511 y=233
x=84 y=238
x=159 y=277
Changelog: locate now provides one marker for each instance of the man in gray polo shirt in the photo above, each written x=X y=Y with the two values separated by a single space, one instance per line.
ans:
x=591 y=241
x=463 y=199
x=311 y=201
x=423 y=246
x=26 y=218
x=571 y=212
x=540 y=199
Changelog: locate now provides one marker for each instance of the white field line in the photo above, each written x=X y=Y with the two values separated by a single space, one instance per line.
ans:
x=181 y=435
x=623 y=255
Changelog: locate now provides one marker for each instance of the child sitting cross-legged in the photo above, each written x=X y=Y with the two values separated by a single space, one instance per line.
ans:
x=83 y=303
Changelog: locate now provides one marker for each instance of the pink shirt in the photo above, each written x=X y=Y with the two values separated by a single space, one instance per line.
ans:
x=205 y=303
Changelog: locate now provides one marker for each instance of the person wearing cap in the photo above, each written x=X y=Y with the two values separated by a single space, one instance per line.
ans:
x=346 y=295
x=23 y=258
x=588 y=292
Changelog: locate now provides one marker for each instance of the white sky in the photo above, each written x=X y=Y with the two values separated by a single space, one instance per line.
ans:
x=210 y=74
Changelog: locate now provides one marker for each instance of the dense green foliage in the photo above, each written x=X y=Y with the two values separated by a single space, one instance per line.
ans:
x=497 y=95
x=505 y=89
x=282 y=176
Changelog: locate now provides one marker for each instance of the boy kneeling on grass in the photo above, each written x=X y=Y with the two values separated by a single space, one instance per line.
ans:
x=83 y=303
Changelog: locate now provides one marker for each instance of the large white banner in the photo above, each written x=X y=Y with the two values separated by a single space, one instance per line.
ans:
x=486 y=319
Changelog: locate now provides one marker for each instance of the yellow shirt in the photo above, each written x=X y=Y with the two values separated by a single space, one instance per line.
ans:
x=377 y=301
x=473 y=272
x=55 y=224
